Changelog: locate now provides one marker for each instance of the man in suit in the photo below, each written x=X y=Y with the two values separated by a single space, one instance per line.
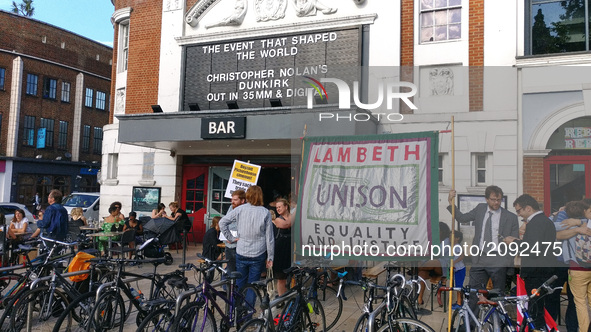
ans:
x=536 y=267
x=491 y=222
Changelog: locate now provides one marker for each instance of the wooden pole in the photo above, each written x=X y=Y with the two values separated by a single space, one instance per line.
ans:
x=297 y=186
x=453 y=218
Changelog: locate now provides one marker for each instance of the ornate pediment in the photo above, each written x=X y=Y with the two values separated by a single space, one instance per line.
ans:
x=264 y=10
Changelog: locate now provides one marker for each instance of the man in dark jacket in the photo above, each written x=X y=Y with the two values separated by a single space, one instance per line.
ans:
x=55 y=220
x=536 y=264
x=491 y=222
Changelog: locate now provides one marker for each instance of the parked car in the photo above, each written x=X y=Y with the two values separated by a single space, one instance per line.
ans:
x=89 y=202
x=8 y=210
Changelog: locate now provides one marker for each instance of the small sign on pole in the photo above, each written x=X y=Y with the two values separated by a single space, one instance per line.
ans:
x=243 y=176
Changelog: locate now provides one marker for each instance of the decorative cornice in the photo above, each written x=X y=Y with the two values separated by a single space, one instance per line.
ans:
x=198 y=10
x=553 y=60
x=279 y=29
x=121 y=15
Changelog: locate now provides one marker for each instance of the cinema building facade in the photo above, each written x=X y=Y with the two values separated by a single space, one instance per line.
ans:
x=199 y=84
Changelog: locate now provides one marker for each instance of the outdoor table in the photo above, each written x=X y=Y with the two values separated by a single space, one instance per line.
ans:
x=110 y=235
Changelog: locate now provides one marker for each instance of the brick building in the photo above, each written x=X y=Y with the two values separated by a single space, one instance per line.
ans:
x=482 y=63
x=54 y=101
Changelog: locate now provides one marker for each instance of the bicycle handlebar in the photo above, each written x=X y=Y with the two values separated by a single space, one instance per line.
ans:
x=71 y=244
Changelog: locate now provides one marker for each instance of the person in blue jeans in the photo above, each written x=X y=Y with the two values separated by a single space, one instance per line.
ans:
x=254 y=227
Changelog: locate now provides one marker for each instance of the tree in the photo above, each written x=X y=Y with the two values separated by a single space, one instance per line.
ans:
x=24 y=8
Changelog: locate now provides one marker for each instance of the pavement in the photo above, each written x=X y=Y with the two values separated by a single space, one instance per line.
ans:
x=352 y=308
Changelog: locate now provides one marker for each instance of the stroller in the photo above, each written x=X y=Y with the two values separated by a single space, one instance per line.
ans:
x=164 y=232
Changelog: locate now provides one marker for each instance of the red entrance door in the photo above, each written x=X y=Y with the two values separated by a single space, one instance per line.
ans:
x=566 y=178
x=194 y=198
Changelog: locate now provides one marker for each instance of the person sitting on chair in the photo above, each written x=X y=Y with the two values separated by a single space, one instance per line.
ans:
x=133 y=223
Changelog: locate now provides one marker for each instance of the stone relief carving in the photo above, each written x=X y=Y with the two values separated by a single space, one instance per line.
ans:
x=268 y=10
x=194 y=14
x=172 y=5
x=120 y=101
x=309 y=8
x=441 y=81
x=236 y=18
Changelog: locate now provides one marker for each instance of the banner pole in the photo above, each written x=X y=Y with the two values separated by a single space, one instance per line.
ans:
x=297 y=186
x=453 y=218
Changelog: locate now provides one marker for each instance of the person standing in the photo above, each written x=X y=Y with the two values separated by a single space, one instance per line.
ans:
x=535 y=266
x=238 y=198
x=283 y=249
x=55 y=221
x=254 y=236
x=490 y=222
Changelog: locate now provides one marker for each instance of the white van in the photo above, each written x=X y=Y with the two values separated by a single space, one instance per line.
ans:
x=89 y=202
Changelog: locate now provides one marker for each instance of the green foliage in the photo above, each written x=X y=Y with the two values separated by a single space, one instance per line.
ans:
x=25 y=8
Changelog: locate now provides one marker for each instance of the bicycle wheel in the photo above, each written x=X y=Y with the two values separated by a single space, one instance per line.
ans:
x=290 y=316
x=190 y=319
x=458 y=321
x=248 y=308
x=81 y=307
x=159 y=320
x=254 y=325
x=332 y=305
x=405 y=325
x=108 y=313
x=5 y=318
x=313 y=318
x=40 y=308
x=361 y=324
x=9 y=285
x=487 y=322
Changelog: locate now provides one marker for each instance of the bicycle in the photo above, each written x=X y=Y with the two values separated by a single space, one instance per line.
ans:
x=493 y=315
x=44 y=302
x=237 y=309
x=109 y=309
x=300 y=313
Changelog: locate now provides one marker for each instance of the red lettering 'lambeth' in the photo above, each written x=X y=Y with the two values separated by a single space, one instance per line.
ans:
x=328 y=156
x=407 y=152
x=361 y=153
x=377 y=153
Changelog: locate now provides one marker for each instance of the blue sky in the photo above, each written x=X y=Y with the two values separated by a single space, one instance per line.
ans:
x=88 y=18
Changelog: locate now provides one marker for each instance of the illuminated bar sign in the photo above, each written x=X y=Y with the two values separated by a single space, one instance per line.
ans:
x=223 y=127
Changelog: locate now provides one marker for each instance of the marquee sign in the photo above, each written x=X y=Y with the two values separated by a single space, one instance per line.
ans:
x=248 y=73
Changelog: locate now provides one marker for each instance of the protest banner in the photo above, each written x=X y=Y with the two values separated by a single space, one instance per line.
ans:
x=370 y=196
x=243 y=176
